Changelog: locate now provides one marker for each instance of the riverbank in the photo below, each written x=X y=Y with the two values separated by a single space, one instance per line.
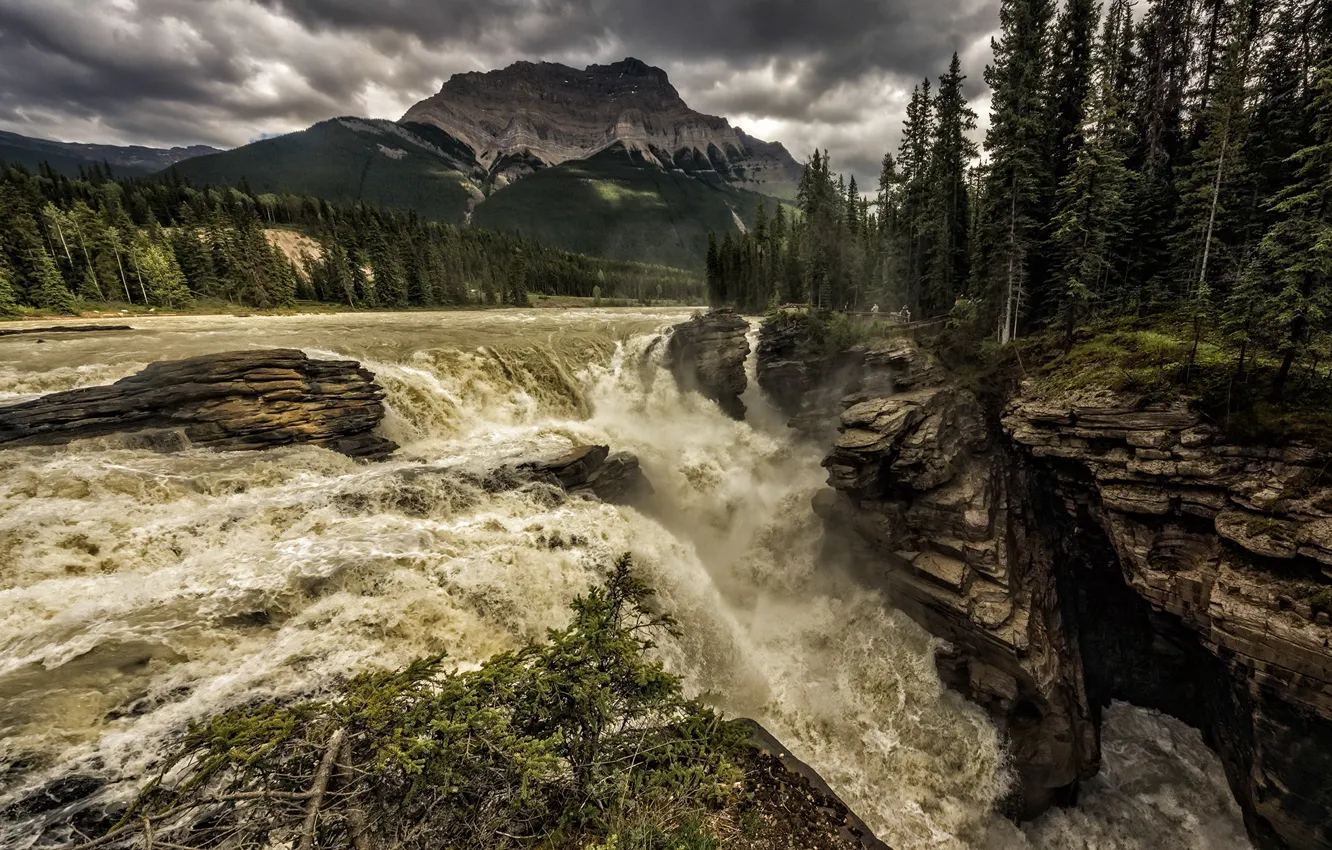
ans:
x=213 y=307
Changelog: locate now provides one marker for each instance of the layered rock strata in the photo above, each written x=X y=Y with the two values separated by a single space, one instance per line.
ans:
x=530 y=116
x=1197 y=579
x=707 y=354
x=234 y=400
x=927 y=507
x=1074 y=552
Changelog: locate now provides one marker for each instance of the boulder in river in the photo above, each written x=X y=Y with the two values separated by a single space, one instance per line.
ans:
x=708 y=353
x=615 y=478
x=232 y=400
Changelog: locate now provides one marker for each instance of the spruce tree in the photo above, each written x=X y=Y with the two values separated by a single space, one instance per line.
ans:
x=1018 y=174
x=47 y=288
x=8 y=297
x=948 y=260
x=1166 y=46
x=1292 y=300
x=1214 y=187
x=913 y=164
x=1074 y=40
x=1092 y=213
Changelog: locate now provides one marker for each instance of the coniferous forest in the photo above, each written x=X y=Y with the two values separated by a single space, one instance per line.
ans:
x=1173 y=159
x=166 y=244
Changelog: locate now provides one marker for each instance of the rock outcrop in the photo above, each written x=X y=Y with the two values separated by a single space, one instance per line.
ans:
x=1073 y=553
x=808 y=814
x=1197 y=579
x=234 y=400
x=436 y=490
x=530 y=116
x=707 y=354
x=64 y=329
x=928 y=509
x=592 y=470
x=811 y=384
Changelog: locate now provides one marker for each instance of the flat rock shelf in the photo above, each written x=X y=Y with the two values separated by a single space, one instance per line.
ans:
x=233 y=400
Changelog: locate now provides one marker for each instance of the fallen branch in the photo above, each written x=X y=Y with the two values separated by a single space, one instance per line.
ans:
x=355 y=817
x=318 y=789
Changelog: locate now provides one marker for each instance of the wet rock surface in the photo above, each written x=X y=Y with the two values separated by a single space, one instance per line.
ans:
x=1077 y=553
x=234 y=400
x=811 y=385
x=616 y=478
x=425 y=491
x=64 y=329
x=707 y=354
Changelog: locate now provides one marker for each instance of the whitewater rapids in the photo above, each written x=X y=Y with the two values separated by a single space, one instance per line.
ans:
x=139 y=590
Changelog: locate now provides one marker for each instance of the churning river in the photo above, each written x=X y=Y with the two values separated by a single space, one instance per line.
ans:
x=140 y=590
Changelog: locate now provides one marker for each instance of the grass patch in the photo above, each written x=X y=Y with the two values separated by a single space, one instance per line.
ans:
x=1153 y=359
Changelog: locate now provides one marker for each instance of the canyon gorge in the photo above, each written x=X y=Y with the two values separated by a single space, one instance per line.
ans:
x=985 y=621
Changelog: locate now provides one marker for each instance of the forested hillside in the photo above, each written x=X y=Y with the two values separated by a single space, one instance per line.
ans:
x=346 y=161
x=1175 y=162
x=615 y=204
x=93 y=239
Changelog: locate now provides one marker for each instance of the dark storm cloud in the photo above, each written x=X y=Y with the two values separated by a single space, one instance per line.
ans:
x=830 y=74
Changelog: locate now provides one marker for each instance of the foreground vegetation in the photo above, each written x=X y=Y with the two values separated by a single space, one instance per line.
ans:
x=581 y=741
x=67 y=242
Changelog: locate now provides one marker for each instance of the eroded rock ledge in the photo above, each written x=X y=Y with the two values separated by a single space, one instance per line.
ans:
x=812 y=385
x=708 y=353
x=234 y=400
x=1075 y=552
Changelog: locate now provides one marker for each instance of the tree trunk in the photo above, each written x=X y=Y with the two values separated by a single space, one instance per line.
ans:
x=1193 y=353
x=1297 y=327
x=123 y=279
x=1279 y=386
x=68 y=255
x=1211 y=216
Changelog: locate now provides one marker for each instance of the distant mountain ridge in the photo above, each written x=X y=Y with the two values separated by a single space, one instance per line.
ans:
x=607 y=161
x=532 y=115
x=67 y=157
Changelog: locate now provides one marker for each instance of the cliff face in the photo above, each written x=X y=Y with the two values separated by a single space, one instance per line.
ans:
x=534 y=115
x=1078 y=551
x=1194 y=574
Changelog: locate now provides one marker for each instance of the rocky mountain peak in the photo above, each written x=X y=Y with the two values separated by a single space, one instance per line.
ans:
x=533 y=115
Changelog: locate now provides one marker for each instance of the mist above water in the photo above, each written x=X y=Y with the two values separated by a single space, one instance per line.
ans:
x=142 y=590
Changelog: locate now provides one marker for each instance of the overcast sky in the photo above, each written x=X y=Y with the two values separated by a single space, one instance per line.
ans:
x=826 y=73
